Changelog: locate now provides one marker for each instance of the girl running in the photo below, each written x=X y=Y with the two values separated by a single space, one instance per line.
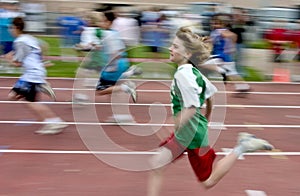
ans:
x=189 y=91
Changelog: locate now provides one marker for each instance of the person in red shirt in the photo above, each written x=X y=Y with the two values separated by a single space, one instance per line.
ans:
x=278 y=39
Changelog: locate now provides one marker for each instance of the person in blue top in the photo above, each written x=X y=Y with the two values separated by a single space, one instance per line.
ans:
x=6 y=17
x=223 y=48
x=116 y=63
x=70 y=30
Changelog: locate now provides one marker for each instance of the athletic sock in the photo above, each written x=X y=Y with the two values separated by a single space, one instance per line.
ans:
x=128 y=73
x=125 y=88
x=239 y=150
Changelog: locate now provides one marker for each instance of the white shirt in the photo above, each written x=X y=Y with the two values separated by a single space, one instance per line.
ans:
x=28 y=52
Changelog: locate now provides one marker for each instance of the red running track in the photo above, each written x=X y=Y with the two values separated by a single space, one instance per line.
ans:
x=59 y=170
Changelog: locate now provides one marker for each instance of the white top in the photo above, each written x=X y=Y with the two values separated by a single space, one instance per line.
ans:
x=112 y=43
x=28 y=52
x=128 y=29
x=88 y=37
x=189 y=88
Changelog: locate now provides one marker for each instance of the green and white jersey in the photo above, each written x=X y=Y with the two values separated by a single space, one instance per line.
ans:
x=190 y=89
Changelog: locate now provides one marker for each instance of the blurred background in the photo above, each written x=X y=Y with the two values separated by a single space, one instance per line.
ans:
x=272 y=26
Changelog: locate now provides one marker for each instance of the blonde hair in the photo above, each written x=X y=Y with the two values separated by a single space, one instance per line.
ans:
x=195 y=44
x=94 y=18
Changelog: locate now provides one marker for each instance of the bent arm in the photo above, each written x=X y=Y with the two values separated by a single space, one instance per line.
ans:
x=230 y=35
x=184 y=116
x=209 y=106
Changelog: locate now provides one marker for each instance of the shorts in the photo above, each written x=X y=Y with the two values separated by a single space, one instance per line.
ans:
x=27 y=90
x=228 y=66
x=104 y=84
x=201 y=159
x=114 y=71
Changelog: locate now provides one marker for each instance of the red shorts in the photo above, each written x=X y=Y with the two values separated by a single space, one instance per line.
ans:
x=201 y=159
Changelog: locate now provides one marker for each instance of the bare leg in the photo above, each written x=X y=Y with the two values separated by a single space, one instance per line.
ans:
x=44 y=113
x=246 y=143
x=155 y=182
x=220 y=170
x=41 y=110
x=158 y=162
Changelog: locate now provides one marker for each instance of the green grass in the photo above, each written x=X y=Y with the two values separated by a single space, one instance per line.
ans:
x=151 y=70
x=53 y=45
x=259 y=44
x=62 y=69
x=155 y=69
x=253 y=74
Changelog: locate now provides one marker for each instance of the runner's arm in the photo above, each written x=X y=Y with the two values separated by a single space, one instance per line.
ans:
x=209 y=106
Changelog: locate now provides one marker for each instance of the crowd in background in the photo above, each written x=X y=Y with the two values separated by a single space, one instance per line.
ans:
x=154 y=27
x=8 y=11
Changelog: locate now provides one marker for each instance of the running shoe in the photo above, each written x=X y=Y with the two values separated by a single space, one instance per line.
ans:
x=131 y=90
x=252 y=143
x=120 y=118
x=224 y=78
x=135 y=70
x=46 y=88
x=51 y=129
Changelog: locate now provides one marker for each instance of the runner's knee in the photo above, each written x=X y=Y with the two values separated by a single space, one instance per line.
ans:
x=161 y=159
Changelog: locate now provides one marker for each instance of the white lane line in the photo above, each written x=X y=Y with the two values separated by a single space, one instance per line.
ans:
x=292 y=116
x=150 y=104
x=149 y=124
x=168 y=91
x=255 y=193
x=87 y=103
x=133 y=152
x=164 y=80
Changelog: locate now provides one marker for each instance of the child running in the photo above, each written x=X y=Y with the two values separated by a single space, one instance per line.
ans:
x=117 y=65
x=189 y=91
x=223 y=48
x=28 y=54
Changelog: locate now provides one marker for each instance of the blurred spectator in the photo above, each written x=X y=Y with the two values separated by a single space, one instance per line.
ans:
x=163 y=30
x=149 y=29
x=277 y=37
x=251 y=33
x=8 y=11
x=71 y=28
x=294 y=37
x=91 y=35
x=128 y=27
x=206 y=19
x=238 y=28
x=91 y=40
